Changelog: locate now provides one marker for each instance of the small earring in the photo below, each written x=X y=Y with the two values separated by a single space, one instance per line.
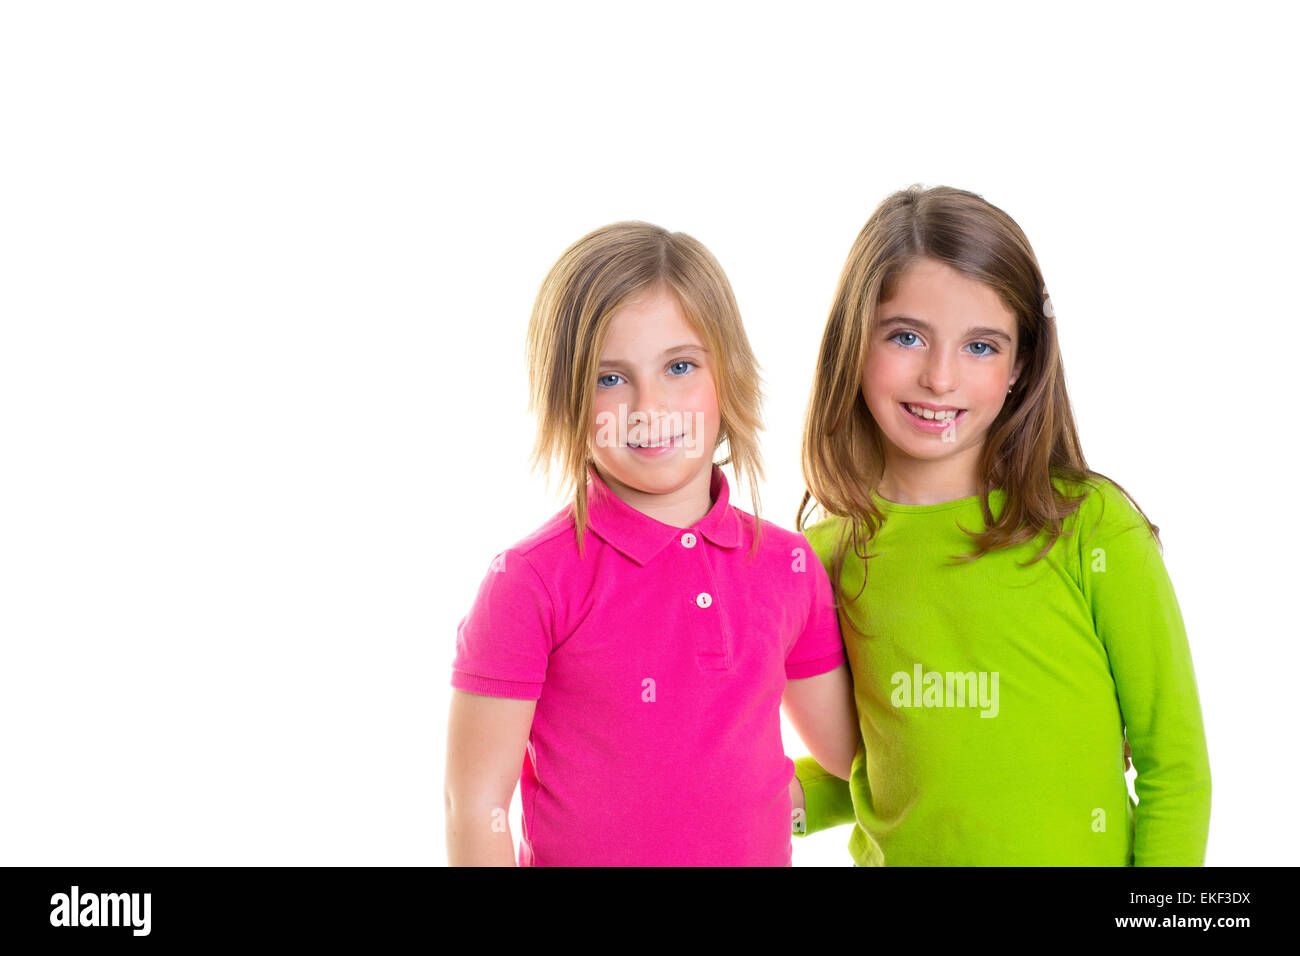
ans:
x=1009 y=387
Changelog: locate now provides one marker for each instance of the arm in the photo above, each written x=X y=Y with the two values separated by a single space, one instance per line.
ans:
x=1139 y=621
x=486 y=738
x=502 y=651
x=820 y=798
x=823 y=711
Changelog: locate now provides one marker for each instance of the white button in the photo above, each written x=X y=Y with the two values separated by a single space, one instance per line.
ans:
x=688 y=540
x=703 y=599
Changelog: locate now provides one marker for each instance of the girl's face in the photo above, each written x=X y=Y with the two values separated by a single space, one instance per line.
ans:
x=656 y=407
x=944 y=342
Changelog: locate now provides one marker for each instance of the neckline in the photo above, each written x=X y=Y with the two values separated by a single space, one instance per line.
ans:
x=885 y=504
x=719 y=502
x=641 y=536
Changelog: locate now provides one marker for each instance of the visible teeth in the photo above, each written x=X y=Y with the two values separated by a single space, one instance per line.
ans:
x=661 y=444
x=932 y=415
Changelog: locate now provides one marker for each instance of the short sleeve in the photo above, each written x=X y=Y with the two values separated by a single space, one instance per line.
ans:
x=504 y=644
x=1138 y=619
x=819 y=648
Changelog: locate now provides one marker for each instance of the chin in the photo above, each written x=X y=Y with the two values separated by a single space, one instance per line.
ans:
x=654 y=479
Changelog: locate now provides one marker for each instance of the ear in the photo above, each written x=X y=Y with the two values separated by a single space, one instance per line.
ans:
x=1015 y=372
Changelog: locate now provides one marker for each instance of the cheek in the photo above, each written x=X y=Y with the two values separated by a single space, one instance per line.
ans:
x=603 y=407
x=703 y=397
x=881 y=375
x=700 y=405
x=989 y=387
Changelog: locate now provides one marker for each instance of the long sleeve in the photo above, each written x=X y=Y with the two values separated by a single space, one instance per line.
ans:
x=1138 y=620
x=828 y=802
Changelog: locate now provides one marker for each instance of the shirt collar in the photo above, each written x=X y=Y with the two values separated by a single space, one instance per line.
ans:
x=641 y=537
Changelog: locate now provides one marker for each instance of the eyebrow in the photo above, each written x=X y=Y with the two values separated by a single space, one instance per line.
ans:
x=979 y=330
x=666 y=352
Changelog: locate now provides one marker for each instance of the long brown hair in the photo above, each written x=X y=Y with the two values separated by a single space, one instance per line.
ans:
x=1031 y=441
x=592 y=280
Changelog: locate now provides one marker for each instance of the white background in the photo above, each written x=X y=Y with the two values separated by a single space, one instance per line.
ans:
x=264 y=279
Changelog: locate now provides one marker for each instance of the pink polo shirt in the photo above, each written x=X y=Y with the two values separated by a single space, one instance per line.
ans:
x=658 y=662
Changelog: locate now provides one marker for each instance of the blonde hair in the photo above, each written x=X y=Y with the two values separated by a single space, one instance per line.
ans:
x=1032 y=440
x=591 y=281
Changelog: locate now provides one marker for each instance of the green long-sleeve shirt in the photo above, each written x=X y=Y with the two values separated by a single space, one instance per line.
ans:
x=993 y=699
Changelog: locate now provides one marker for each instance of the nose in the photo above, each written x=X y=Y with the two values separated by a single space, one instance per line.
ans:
x=651 y=401
x=940 y=372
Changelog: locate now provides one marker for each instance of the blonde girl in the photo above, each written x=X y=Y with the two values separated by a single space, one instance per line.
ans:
x=625 y=663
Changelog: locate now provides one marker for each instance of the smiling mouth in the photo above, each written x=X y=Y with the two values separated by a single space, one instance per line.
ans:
x=926 y=414
x=662 y=444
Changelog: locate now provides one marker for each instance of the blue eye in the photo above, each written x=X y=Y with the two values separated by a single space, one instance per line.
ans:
x=985 y=347
x=682 y=364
